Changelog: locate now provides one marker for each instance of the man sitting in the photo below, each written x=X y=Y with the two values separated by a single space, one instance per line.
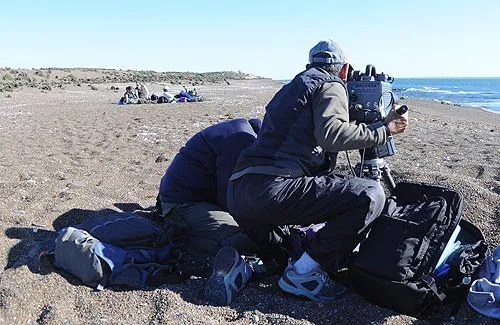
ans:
x=142 y=91
x=129 y=97
x=166 y=96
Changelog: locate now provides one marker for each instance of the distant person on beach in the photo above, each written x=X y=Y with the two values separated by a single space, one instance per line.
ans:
x=192 y=192
x=286 y=176
x=166 y=96
x=129 y=97
x=188 y=96
x=142 y=90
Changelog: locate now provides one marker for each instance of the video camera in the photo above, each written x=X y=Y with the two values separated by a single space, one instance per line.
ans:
x=370 y=100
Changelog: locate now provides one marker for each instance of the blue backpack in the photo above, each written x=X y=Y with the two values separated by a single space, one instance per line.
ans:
x=119 y=249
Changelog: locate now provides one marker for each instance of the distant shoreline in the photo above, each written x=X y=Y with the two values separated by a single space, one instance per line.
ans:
x=453 y=113
x=434 y=100
x=424 y=78
x=450 y=103
x=49 y=78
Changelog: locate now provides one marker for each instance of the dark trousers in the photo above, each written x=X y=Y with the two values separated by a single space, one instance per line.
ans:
x=347 y=205
x=202 y=227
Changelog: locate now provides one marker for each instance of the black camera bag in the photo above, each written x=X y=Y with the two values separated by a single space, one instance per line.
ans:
x=395 y=264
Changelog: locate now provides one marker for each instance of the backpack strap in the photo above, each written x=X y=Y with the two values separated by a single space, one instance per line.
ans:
x=430 y=234
x=425 y=244
x=431 y=284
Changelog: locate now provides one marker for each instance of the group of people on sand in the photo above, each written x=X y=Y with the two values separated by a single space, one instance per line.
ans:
x=235 y=188
x=140 y=95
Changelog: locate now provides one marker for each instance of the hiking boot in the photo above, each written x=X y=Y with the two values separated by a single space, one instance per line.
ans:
x=230 y=274
x=315 y=285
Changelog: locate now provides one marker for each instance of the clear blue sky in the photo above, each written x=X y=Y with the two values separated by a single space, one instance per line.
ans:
x=267 y=38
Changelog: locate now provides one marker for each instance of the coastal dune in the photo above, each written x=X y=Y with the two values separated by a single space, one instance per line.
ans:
x=70 y=150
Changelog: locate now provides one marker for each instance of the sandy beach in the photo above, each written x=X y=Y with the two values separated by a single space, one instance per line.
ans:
x=71 y=150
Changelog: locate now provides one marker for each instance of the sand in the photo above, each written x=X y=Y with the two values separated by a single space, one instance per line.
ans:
x=72 y=150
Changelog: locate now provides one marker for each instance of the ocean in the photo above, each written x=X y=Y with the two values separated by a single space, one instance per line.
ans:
x=477 y=92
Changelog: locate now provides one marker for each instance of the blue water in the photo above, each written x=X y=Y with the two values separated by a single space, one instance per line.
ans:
x=477 y=92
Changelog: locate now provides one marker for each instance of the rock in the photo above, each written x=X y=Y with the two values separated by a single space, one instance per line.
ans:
x=8 y=87
x=46 y=315
x=161 y=158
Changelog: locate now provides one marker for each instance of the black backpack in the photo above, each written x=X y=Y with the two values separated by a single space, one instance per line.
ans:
x=395 y=266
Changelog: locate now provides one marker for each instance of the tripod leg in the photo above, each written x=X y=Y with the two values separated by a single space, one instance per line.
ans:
x=386 y=172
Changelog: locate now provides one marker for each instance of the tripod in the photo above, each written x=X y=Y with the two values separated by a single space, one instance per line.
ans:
x=376 y=169
x=373 y=164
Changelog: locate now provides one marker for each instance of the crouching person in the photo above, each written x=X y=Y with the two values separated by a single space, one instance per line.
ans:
x=193 y=189
x=193 y=202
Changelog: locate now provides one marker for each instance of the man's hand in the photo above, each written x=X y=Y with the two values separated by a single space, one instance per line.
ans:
x=395 y=122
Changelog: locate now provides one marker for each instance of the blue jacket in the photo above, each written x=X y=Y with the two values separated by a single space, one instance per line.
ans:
x=201 y=170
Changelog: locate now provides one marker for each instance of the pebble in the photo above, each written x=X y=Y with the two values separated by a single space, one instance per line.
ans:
x=161 y=158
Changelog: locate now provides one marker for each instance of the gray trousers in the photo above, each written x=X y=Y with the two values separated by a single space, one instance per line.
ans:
x=202 y=227
x=346 y=204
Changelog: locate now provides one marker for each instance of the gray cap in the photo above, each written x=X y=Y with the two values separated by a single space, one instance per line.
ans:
x=331 y=48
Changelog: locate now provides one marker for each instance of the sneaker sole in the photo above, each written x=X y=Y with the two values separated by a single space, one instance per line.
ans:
x=216 y=291
x=292 y=290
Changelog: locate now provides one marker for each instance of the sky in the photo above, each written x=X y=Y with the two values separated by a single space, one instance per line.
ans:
x=271 y=39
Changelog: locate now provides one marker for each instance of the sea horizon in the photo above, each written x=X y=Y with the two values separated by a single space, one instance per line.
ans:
x=479 y=92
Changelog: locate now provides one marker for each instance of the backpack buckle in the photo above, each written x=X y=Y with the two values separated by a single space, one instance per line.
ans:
x=431 y=284
x=429 y=281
